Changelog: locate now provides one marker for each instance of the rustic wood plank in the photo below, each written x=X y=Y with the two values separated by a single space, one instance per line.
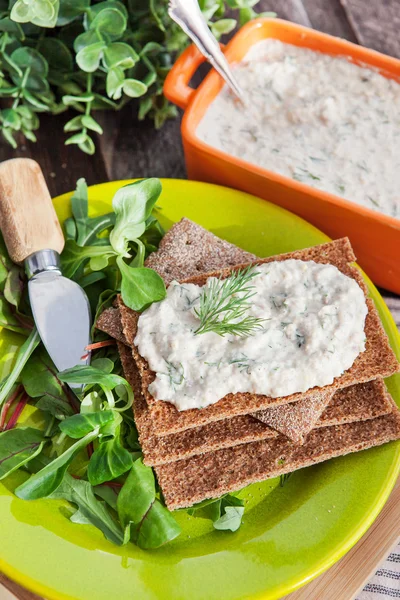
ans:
x=10 y=590
x=376 y=23
x=131 y=148
x=329 y=17
x=62 y=165
x=292 y=10
x=393 y=303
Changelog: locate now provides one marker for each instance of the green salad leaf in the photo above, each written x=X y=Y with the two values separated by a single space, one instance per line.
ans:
x=87 y=229
x=17 y=447
x=47 y=480
x=90 y=510
x=140 y=286
x=132 y=205
x=23 y=355
x=40 y=380
x=109 y=461
x=143 y=517
x=78 y=426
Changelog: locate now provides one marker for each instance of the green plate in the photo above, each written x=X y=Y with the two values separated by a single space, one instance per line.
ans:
x=289 y=535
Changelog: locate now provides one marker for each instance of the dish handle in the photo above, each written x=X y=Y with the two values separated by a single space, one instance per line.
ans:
x=176 y=85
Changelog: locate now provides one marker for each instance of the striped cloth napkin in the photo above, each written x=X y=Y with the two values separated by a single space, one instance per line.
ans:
x=386 y=582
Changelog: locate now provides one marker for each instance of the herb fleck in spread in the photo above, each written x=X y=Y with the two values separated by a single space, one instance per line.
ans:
x=310 y=329
x=317 y=119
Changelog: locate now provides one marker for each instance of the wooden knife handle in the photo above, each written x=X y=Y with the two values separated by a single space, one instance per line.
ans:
x=28 y=220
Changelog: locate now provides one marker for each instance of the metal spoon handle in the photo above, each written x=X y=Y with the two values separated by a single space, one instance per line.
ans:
x=187 y=14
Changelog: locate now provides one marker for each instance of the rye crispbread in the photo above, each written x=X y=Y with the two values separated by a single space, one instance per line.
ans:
x=188 y=249
x=377 y=360
x=110 y=322
x=363 y=401
x=189 y=481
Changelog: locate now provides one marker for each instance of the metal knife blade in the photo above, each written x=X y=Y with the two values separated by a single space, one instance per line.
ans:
x=62 y=315
x=33 y=237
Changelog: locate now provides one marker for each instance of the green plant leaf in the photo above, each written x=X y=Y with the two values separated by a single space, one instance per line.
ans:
x=17 y=447
x=88 y=59
x=91 y=403
x=75 y=124
x=11 y=118
x=38 y=12
x=73 y=256
x=120 y=54
x=13 y=286
x=231 y=519
x=114 y=82
x=90 y=123
x=110 y=21
x=35 y=102
x=71 y=10
x=78 y=138
x=87 y=375
x=98 y=263
x=87 y=228
x=57 y=54
x=26 y=57
x=109 y=461
x=222 y=27
x=10 y=26
x=136 y=496
x=157 y=528
x=77 y=426
x=107 y=493
x=87 y=145
x=134 y=88
x=47 y=480
x=132 y=205
x=8 y=136
x=90 y=510
x=40 y=380
x=140 y=287
x=23 y=355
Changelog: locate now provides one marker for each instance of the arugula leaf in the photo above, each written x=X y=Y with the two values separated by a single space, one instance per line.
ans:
x=39 y=378
x=109 y=461
x=17 y=447
x=90 y=510
x=140 y=287
x=46 y=481
x=80 y=425
x=133 y=204
x=23 y=355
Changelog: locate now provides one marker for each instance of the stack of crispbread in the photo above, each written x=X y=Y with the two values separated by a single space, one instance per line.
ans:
x=244 y=438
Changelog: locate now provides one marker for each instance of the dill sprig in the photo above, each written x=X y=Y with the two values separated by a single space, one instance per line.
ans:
x=223 y=304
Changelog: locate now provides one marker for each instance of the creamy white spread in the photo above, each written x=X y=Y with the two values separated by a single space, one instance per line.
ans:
x=312 y=331
x=314 y=118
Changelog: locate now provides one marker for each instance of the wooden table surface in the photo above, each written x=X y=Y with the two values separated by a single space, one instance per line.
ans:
x=130 y=149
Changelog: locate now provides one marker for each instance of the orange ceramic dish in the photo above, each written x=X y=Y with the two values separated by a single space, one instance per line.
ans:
x=374 y=236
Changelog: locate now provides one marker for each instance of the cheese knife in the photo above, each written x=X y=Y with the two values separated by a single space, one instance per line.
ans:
x=34 y=238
